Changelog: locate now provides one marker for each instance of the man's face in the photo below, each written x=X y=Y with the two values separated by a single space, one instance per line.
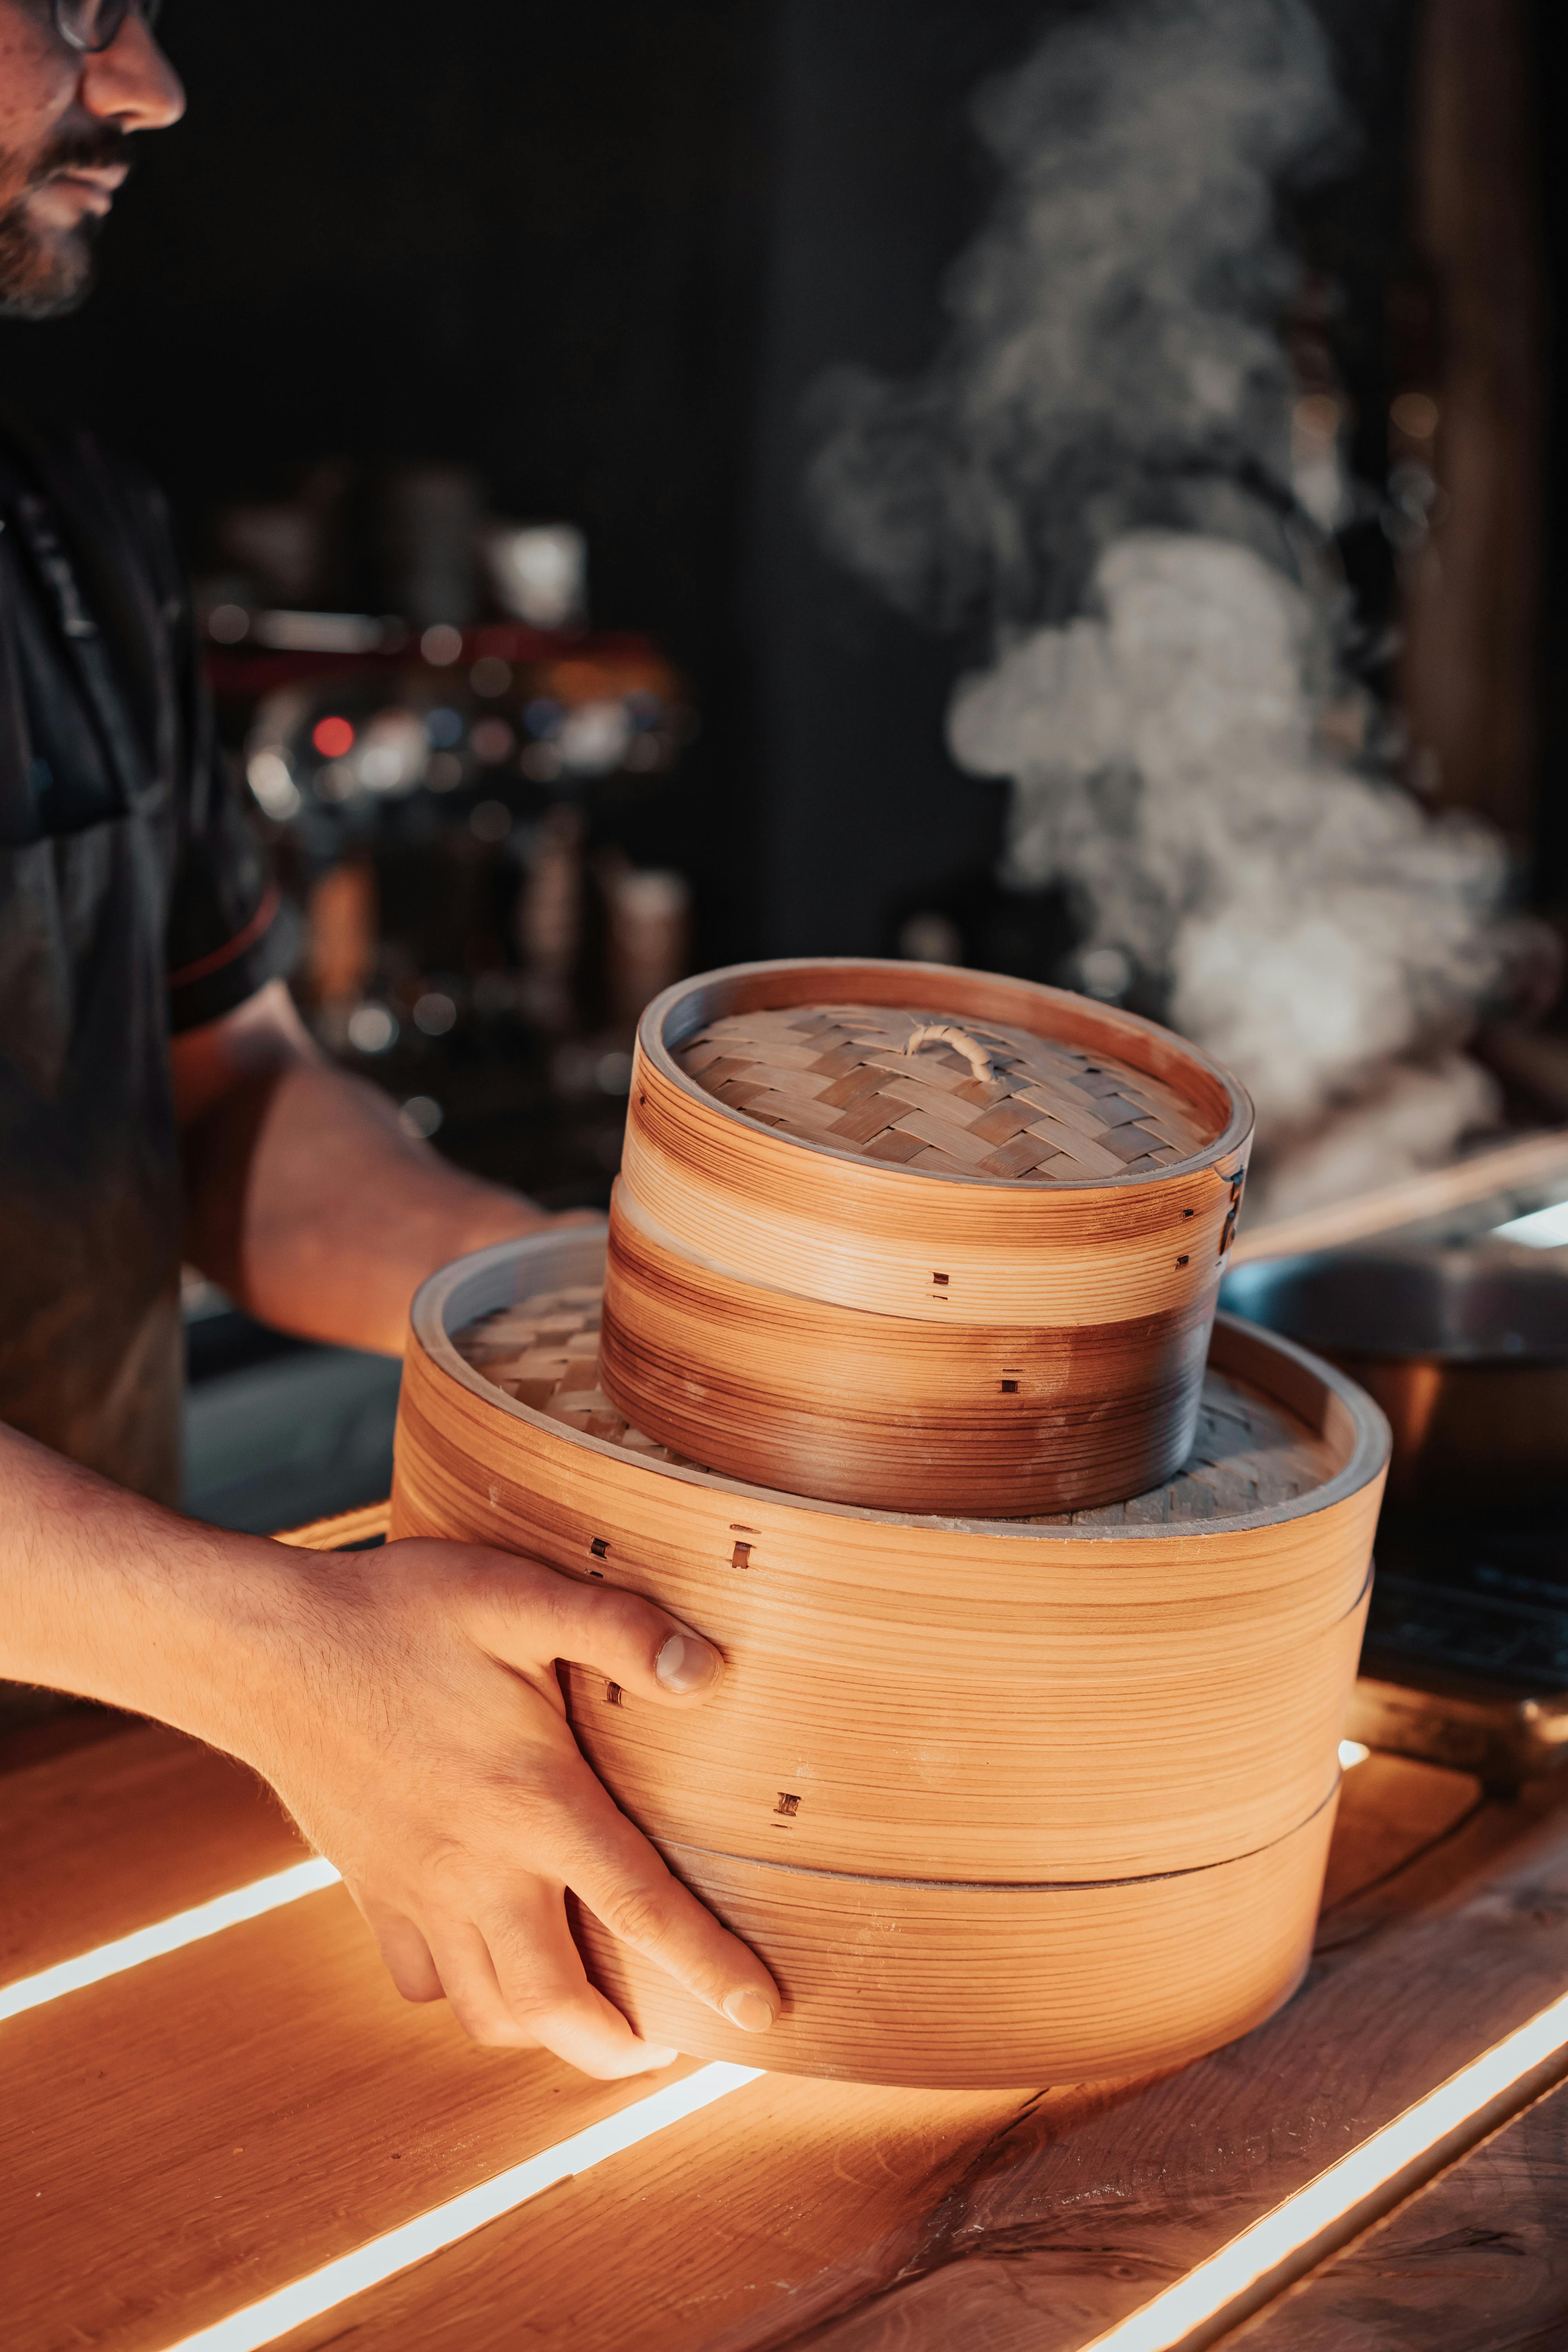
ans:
x=65 y=122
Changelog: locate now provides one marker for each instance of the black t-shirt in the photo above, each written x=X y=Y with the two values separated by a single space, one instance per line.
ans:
x=221 y=940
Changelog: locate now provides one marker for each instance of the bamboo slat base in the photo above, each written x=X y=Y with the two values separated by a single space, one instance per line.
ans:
x=899 y=1981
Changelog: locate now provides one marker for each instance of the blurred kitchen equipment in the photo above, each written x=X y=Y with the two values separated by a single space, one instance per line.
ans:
x=538 y=572
x=474 y=798
x=341 y=935
x=549 y=920
x=1465 y=1657
x=276 y=544
x=1470 y=1197
x=648 y=921
x=1466 y=1350
x=1458 y=1279
x=433 y=518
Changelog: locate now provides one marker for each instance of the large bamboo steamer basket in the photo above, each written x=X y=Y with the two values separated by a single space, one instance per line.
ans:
x=1114 y=1734
x=953 y=1987
x=1128 y=1692
x=816 y=1320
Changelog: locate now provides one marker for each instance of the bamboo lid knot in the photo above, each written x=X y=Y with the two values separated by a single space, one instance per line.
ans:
x=948 y=1033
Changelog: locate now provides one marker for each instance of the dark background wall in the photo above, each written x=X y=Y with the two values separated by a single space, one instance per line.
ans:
x=523 y=238
x=878 y=183
x=600 y=255
x=520 y=237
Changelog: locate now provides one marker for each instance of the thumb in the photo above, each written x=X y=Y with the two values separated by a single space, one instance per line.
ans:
x=535 y=1615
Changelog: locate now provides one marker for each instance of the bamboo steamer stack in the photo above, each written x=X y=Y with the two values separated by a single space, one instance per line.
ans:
x=1024 y=1761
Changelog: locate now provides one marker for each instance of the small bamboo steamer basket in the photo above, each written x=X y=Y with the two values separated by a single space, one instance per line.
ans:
x=814 y=1320
x=1059 y=1795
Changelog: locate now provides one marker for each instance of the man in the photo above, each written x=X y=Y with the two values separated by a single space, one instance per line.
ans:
x=156 y=1090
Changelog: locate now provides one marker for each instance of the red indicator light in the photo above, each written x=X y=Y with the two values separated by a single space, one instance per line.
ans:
x=333 y=737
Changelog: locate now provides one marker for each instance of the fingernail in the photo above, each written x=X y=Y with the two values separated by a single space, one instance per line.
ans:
x=686 y=1663
x=749 y=2012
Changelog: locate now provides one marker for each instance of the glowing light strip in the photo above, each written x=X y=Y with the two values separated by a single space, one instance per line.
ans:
x=369 y=2264
x=228 y=1911
x=167 y=1936
x=1542 y=1229
x=1213 y=2286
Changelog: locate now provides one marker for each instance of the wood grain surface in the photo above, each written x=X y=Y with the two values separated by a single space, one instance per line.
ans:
x=190 y=2135
x=972 y=1419
x=98 y=1843
x=1249 y=1452
x=804 y=2214
x=829 y=1224
x=739 y=2229
x=768 y=1263
x=1477 y=2262
x=1390 y=1811
x=1072 y=2240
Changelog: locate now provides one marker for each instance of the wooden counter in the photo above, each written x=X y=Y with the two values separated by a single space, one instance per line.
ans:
x=194 y=2133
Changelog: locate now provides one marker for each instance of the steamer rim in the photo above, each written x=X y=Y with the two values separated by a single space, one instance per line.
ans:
x=470 y=1287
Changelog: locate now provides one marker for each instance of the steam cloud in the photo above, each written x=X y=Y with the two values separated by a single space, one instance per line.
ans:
x=1097 y=468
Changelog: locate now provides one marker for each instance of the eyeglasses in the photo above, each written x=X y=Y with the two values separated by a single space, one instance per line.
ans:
x=94 y=26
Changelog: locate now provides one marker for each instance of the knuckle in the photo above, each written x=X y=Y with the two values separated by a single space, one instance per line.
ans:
x=535 y=2015
x=504 y=1581
x=513 y=1944
x=642 y=1916
x=443 y=1864
x=608 y=1609
x=491 y=2028
x=536 y=2003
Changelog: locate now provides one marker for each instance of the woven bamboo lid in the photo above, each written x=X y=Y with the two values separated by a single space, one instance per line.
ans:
x=940 y=1093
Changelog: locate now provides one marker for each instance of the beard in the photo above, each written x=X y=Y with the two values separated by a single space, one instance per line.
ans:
x=44 y=274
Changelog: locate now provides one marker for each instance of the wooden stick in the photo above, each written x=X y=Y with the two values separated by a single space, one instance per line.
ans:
x=344 y=1529
x=1533 y=1160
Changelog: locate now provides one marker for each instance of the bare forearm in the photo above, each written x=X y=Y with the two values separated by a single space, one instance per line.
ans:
x=113 y=1598
x=311 y=1205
